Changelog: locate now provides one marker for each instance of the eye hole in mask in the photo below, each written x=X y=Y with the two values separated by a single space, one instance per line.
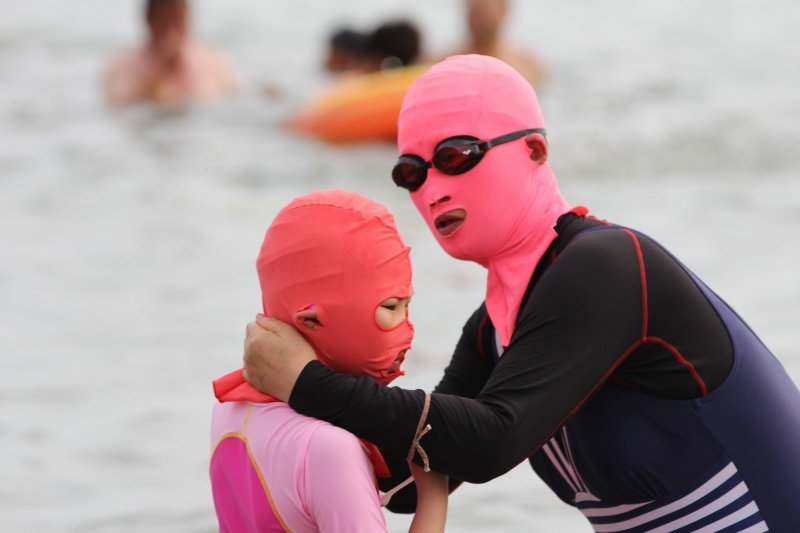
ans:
x=392 y=312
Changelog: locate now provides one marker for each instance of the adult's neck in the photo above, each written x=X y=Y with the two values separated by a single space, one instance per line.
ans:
x=511 y=267
x=544 y=204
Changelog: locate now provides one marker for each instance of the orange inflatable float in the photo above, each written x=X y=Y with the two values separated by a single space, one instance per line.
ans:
x=358 y=108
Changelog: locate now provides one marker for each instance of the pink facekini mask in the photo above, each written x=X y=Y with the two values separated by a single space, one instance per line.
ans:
x=511 y=202
x=339 y=254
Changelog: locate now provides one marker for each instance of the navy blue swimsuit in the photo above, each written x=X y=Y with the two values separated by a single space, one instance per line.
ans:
x=634 y=391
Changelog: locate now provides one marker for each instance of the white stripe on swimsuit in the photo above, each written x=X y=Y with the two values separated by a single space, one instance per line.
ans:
x=720 y=503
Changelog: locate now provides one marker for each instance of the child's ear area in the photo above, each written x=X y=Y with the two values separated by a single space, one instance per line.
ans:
x=307 y=318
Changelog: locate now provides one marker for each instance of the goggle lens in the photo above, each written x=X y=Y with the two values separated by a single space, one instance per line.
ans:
x=457 y=155
x=410 y=172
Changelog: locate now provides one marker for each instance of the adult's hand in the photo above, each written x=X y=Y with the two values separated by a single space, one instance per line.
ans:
x=274 y=355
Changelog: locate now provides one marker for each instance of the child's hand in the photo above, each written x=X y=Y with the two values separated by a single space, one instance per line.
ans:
x=432 y=492
x=274 y=355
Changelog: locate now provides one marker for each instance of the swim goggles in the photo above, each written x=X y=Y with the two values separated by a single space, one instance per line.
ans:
x=452 y=156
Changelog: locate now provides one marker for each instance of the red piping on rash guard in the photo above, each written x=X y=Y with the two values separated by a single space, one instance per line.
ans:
x=622 y=382
x=626 y=353
x=632 y=348
x=682 y=360
x=655 y=340
x=643 y=277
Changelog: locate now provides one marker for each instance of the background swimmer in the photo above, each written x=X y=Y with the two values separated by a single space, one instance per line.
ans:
x=170 y=67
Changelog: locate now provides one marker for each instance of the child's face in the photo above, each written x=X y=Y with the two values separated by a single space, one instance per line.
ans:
x=392 y=311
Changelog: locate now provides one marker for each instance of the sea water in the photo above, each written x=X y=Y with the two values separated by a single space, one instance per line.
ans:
x=128 y=238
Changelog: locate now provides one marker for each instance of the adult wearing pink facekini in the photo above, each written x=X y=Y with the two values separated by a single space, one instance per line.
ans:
x=634 y=391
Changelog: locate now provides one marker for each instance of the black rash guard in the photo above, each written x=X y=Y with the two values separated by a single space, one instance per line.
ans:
x=604 y=305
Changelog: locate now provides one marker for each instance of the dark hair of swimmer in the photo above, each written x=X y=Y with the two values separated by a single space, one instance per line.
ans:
x=152 y=7
x=394 y=44
x=348 y=40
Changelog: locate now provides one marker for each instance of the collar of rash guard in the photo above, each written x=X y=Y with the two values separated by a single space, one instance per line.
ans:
x=232 y=387
x=340 y=254
x=512 y=203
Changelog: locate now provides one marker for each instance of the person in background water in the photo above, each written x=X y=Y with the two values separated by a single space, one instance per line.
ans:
x=634 y=391
x=395 y=43
x=170 y=68
x=484 y=22
x=345 y=280
x=392 y=44
x=345 y=51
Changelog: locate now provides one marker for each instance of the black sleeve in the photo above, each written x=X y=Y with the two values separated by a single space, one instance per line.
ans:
x=386 y=416
x=465 y=376
x=578 y=323
x=356 y=404
x=472 y=361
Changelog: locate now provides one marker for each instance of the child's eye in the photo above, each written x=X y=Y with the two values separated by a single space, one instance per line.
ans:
x=390 y=303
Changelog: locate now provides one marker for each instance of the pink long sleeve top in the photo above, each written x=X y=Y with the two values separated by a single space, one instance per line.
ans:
x=273 y=469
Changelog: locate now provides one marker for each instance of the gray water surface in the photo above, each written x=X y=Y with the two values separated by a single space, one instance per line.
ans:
x=128 y=239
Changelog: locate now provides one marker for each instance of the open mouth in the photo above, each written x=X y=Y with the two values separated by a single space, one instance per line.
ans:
x=448 y=223
x=395 y=366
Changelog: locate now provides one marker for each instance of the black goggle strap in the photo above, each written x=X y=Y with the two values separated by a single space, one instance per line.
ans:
x=473 y=147
x=510 y=137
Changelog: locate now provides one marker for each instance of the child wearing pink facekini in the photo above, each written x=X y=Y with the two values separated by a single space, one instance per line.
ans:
x=333 y=264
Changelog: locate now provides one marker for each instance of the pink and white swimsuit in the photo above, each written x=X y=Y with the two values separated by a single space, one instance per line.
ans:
x=273 y=469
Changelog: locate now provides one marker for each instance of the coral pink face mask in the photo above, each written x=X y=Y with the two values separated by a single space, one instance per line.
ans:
x=339 y=254
x=501 y=212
